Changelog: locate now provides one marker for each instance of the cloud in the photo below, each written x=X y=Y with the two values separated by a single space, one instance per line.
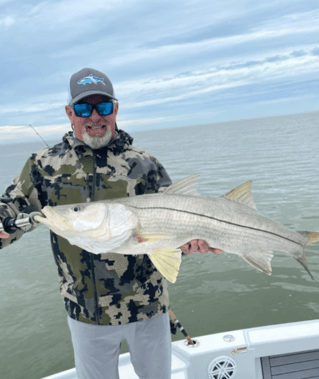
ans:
x=179 y=87
x=14 y=133
x=276 y=101
x=298 y=53
x=287 y=26
x=36 y=104
x=303 y=21
x=174 y=42
x=168 y=53
x=7 y=21
x=60 y=12
x=197 y=84
x=139 y=123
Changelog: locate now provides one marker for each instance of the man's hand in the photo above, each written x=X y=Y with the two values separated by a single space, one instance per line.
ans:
x=4 y=235
x=198 y=245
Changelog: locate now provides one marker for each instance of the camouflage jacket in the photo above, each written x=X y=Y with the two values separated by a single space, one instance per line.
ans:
x=109 y=289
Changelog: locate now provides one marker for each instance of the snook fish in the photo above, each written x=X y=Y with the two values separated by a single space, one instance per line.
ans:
x=158 y=224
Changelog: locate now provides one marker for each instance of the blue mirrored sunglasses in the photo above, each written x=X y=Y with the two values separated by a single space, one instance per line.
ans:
x=85 y=110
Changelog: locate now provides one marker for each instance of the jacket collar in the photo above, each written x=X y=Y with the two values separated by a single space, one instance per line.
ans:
x=117 y=145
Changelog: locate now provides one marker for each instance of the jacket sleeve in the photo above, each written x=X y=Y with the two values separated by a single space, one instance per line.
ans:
x=21 y=197
x=157 y=178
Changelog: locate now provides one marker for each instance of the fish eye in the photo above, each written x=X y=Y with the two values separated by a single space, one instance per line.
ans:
x=77 y=208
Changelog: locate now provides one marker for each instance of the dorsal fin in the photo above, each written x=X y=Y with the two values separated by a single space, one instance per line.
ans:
x=242 y=194
x=184 y=187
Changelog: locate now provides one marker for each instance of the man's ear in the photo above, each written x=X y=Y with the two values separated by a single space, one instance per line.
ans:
x=69 y=111
x=116 y=108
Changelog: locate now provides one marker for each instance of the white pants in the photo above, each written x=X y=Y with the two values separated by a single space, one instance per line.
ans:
x=97 y=348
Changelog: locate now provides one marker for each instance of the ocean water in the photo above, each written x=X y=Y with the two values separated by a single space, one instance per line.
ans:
x=212 y=293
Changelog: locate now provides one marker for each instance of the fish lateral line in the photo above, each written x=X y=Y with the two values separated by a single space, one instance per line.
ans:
x=216 y=219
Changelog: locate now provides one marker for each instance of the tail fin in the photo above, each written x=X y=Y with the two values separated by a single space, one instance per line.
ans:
x=313 y=237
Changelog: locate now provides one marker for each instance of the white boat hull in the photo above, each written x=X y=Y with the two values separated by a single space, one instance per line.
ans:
x=241 y=354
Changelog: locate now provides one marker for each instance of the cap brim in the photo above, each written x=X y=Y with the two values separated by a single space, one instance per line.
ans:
x=89 y=93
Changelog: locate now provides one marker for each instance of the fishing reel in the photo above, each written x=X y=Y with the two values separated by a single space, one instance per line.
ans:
x=23 y=221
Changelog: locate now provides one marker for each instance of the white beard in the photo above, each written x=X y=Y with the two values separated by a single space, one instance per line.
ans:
x=97 y=142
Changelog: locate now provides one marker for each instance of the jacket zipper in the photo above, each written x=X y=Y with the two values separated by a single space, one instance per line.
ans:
x=92 y=259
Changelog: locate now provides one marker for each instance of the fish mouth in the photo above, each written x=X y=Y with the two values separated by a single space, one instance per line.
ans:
x=46 y=216
x=40 y=218
x=52 y=219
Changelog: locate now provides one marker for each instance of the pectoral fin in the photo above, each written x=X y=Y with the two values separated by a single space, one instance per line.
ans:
x=260 y=260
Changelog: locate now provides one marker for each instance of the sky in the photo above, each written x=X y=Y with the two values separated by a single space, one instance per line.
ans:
x=172 y=63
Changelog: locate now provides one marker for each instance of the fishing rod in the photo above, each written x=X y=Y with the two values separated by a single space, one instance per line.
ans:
x=39 y=135
x=179 y=325
x=23 y=221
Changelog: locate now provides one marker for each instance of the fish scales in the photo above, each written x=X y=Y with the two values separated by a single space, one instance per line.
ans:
x=221 y=222
x=158 y=224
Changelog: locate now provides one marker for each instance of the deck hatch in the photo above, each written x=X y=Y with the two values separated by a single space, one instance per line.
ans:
x=301 y=365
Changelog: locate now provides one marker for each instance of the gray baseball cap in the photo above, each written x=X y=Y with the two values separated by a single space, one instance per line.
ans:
x=88 y=82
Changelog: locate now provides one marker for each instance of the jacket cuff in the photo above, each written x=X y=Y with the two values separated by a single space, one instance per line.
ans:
x=7 y=210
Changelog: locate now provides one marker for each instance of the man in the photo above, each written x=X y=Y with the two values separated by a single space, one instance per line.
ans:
x=108 y=297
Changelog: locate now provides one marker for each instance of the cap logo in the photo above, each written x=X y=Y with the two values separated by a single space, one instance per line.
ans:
x=91 y=79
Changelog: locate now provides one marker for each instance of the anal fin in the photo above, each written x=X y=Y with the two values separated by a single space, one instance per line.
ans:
x=260 y=260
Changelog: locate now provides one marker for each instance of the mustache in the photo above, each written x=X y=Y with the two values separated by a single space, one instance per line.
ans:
x=95 y=124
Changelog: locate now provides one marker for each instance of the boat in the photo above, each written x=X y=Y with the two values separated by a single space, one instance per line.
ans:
x=283 y=351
